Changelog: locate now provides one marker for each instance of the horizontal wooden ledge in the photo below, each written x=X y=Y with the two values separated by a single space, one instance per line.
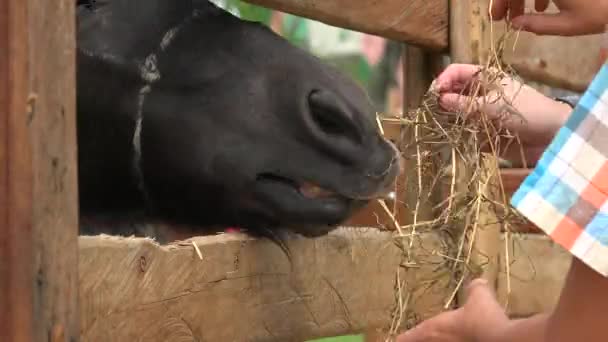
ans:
x=245 y=289
x=420 y=22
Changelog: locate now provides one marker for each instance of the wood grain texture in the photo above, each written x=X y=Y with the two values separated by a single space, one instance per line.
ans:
x=52 y=128
x=419 y=22
x=564 y=62
x=487 y=243
x=538 y=272
x=16 y=281
x=247 y=290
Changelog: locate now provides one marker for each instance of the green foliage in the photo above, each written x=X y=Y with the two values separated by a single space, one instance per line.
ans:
x=248 y=11
x=353 y=338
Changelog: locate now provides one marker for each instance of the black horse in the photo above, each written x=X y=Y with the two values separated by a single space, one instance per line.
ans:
x=190 y=115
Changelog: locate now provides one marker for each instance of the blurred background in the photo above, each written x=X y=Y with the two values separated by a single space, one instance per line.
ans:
x=374 y=62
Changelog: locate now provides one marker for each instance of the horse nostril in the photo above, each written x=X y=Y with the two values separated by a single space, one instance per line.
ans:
x=332 y=117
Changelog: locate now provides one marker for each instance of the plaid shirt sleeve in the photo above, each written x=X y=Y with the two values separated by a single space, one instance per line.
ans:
x=566 y=195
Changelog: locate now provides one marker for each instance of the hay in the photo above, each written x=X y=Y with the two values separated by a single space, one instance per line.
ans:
x=448 y=151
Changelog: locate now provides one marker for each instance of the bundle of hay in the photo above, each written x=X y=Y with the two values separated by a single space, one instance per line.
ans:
x=457 y=156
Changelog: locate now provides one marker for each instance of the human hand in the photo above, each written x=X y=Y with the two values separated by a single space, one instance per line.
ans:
x=575 y=17
x=480 y=319
x=521 y=109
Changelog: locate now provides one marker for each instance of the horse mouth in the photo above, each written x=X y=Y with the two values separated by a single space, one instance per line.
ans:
x=308 y=190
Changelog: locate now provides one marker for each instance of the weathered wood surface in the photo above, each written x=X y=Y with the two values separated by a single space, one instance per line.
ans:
x=487 y=227
x=562 y=62
x=38 y=206
x=247 y=290
x=420 y=22
x=16 y=315
x=52 y=126
x=538 y=270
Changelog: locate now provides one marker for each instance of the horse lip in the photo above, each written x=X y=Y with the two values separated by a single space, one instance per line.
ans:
x=307 y=189
x=314 y=191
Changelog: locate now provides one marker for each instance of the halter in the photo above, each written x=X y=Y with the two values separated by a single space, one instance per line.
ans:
x=149 y=73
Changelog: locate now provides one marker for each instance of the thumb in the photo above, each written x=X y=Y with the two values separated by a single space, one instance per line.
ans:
x=458 y=103
x=562 y=23
x=482 y=299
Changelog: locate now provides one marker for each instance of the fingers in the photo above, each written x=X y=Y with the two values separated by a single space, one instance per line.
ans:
x=455 y=77
x=500 y=8
x=481 y=301
x=563 y=24
x=544 y=23
x=457 y=103
x=444 y=327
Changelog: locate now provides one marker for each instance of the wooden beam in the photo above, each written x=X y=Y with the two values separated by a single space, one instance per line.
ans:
x=248 y=290
x=470 y=42
x=38 y=205
x=419 y=22
x=16 y=285
x=538 y=268
x=52 y=126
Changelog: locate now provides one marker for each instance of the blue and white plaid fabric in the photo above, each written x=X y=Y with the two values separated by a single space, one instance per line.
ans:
x=566 y=195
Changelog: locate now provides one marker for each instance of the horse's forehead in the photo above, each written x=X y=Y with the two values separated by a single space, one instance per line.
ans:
x=131 y=29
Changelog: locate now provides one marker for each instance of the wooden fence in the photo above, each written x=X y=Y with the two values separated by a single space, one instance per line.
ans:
x=55 y=286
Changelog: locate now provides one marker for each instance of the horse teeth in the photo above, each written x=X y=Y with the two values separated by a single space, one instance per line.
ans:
x=314 y=191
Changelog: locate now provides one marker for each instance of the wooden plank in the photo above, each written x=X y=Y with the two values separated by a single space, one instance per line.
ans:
x=470 y=42
x=487 y=226
x=564 y=62
x=415 y=191
x=52 y=129
x=419 y=22
x=466 y=36
x=538 y=268
x=511 y=180
x=248 y=290
x=16 y=315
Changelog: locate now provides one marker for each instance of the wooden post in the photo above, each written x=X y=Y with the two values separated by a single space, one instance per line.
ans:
x=419 y=68
x=38 y=185
x=470 y=43
x=16 y=315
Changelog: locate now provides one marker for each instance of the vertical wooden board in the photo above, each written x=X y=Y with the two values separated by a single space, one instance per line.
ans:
x=52 y=128
x=470 y=42
x=16 y=316
x=419 y=67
